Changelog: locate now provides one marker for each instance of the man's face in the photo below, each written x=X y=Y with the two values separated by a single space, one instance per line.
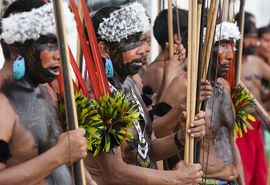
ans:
x=264 y=48
x=128 y=56
x=146 y=42
x=42 y=59
x=249 y=43
x=225 y=55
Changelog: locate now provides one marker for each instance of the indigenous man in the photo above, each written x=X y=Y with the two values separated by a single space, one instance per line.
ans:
x=33 y=149
x=251 y=144
x=224 y=164
x=119 y=40
x=158 y=75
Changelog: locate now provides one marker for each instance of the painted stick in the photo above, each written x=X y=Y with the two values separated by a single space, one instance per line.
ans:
x=104 y=85
x=79 y=57
x=239 y=44
x=170 y=28
x=78 y=75
x=86 y=51
x=71 y=113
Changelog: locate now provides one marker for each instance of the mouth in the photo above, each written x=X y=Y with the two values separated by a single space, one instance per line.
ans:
x=54 y=71
x=139 y=62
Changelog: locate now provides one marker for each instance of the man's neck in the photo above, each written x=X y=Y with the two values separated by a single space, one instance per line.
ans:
x=160 y=56
x=244 y=58
x=117 y=79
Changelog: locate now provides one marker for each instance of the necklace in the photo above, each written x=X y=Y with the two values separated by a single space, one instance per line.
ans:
x=143 y=158
x=216 y=86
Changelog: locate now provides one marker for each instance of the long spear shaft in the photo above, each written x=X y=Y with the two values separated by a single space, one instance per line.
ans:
x=239 y=44
x=71 y=114
x=170 y=28
x=197 y=146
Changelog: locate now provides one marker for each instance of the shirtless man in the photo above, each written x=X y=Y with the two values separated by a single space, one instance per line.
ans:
x=33 y=149
x=224 y=158
x=122 y=165
x=251 y=144
x=156 y=76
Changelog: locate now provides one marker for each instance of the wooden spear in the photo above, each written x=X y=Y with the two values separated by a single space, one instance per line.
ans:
x=71 y=113
x=209 y=36
x=170 y=28
x=239 y=44
x=191 y=78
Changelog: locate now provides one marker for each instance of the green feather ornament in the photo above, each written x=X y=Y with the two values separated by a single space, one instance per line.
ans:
x=242 y=100
x=106 y=121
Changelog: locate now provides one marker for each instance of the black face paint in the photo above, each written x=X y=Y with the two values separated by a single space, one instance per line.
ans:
x=250 y=50
x=33 y=62
x=4 y=152
x=116 y=54
x=222 y=69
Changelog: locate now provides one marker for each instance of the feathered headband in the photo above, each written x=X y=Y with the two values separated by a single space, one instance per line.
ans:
x=23 y=26
x=228 y=31
x=124 y=22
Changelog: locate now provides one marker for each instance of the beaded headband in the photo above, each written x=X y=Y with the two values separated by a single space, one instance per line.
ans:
x=124 y=22
x=24 y=26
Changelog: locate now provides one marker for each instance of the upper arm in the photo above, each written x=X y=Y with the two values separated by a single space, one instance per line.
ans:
x=7 y=119
x=176 y=91
x=265 y=70
x=7 y=122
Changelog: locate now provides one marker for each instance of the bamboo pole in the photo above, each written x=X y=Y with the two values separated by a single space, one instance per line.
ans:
x=209 y=36
x=240 y=50
x=192 y=77
x=170 y=28
x=71 y=113
x=187 y=137
x=79 y=57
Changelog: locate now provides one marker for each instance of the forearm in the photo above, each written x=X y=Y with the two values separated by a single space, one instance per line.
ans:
x=115 y=171
x=164 y=147
x=31 y=171
x=238 y=163
x=165 y=125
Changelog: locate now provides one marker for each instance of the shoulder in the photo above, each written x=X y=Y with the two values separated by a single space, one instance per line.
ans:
x=225 y=84
x=155 y=68
x=48 y=90
x=176 y=90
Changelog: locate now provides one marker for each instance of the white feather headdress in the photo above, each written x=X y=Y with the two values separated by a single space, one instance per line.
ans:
x=124 y=22
x=228 y=31
x=23 y=26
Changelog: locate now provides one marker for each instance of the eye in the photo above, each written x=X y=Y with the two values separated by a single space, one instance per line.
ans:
x=50 y=44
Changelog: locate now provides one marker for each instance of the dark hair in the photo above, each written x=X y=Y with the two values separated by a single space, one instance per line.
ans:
x=247 y=16
x=263 y=30
x=249 y=27
x=161 y=25
x=17 y=7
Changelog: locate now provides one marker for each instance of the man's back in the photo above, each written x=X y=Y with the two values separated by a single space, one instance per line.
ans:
x=154 y=75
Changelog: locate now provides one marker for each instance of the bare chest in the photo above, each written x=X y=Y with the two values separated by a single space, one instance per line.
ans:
x=39 y=122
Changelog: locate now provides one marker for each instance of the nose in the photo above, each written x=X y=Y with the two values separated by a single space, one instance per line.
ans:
x=229 y=53
x=56 y=55
x=141 y=50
